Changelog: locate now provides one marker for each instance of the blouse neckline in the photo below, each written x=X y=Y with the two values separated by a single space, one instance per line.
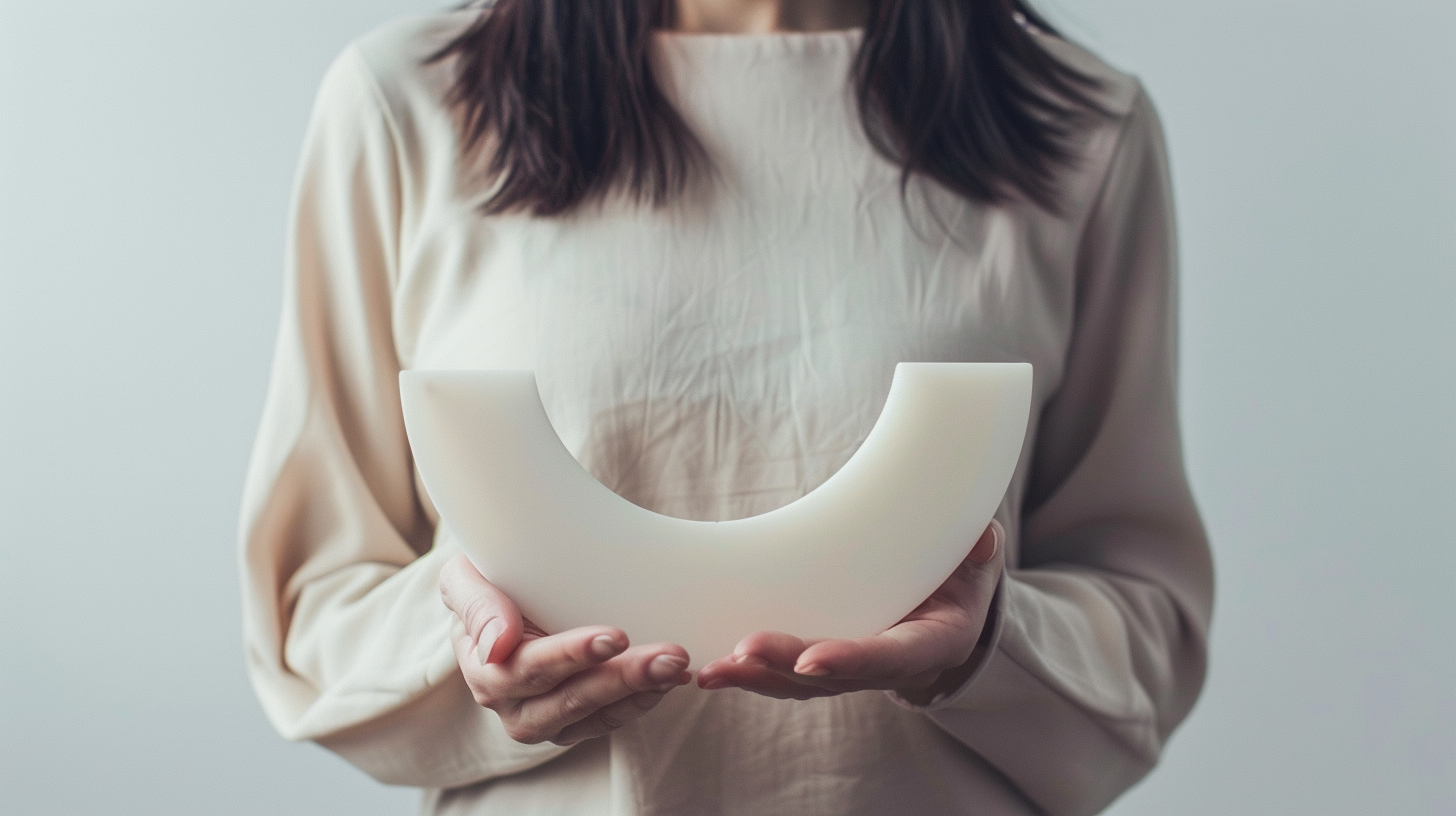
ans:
x=773 y=42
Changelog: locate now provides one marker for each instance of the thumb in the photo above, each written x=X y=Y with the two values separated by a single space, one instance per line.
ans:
x=981 y=570
x=990 y=548
x=491 y=620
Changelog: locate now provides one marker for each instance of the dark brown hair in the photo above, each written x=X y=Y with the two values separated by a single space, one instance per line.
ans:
x=563 y=92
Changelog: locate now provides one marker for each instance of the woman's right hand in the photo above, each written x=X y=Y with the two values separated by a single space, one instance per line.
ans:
x=564 y=688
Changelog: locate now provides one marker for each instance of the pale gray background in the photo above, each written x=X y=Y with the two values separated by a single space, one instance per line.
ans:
x=146 y=152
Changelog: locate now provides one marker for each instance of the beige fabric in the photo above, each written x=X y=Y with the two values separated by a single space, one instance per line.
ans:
x=714 y=360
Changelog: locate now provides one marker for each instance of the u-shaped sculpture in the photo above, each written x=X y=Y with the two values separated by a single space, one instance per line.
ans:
x=849 y=559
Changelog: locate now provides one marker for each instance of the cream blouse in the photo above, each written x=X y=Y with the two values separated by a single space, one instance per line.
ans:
x=715 y=359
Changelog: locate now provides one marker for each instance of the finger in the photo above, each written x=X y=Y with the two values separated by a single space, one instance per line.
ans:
x=905 y=650
x=990 y=544
x=610 y=718
x=771 y=674
x=771 y=652
x=491 y=620
x=978 y=573
x=760 y=680
x=658 y=667
x=541 y=664
x=772 y=649
x=785 y=655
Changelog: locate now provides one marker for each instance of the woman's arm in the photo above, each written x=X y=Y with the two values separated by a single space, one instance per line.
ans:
x=1094 y=646
x=1100 y=646
x=348 y=641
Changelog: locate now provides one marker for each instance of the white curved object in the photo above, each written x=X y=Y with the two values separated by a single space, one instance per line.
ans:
x=849 y=559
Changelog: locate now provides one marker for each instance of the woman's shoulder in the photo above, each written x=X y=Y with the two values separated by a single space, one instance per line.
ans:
x=391 y=65
x=397 y=52
x=1130 y=130
x=1118 y=90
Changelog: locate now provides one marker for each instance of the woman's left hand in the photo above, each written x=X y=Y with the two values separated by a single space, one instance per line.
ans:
x=934 y=649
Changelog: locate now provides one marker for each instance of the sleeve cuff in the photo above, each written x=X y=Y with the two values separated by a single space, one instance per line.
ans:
x=442 y=741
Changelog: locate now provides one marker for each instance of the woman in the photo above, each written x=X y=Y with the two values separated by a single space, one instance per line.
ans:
x=712 y=227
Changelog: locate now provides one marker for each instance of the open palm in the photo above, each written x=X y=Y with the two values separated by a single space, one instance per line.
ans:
x=930 y=650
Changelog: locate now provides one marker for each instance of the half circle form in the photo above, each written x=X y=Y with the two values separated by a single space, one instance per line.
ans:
x=848 y=559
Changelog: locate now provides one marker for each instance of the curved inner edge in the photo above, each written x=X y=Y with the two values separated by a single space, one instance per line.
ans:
x=867 y=449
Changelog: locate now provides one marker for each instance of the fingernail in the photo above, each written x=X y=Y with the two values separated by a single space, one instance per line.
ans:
x=666 y=667
x=715 y=684
x=811 y=670
x=982 y=554
x=750 y=660
x=605 y=646
x=488 y=636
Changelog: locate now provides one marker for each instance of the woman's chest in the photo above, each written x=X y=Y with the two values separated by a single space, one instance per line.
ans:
x=722 y=361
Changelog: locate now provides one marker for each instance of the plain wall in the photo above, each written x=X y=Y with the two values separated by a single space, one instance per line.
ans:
x=146 y=156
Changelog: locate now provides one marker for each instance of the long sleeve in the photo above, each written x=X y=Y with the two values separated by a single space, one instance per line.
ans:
x=347 y=639
x=1098 y=649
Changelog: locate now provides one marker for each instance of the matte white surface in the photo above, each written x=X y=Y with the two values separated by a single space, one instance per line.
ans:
x=146 y=151
x=849 y=559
